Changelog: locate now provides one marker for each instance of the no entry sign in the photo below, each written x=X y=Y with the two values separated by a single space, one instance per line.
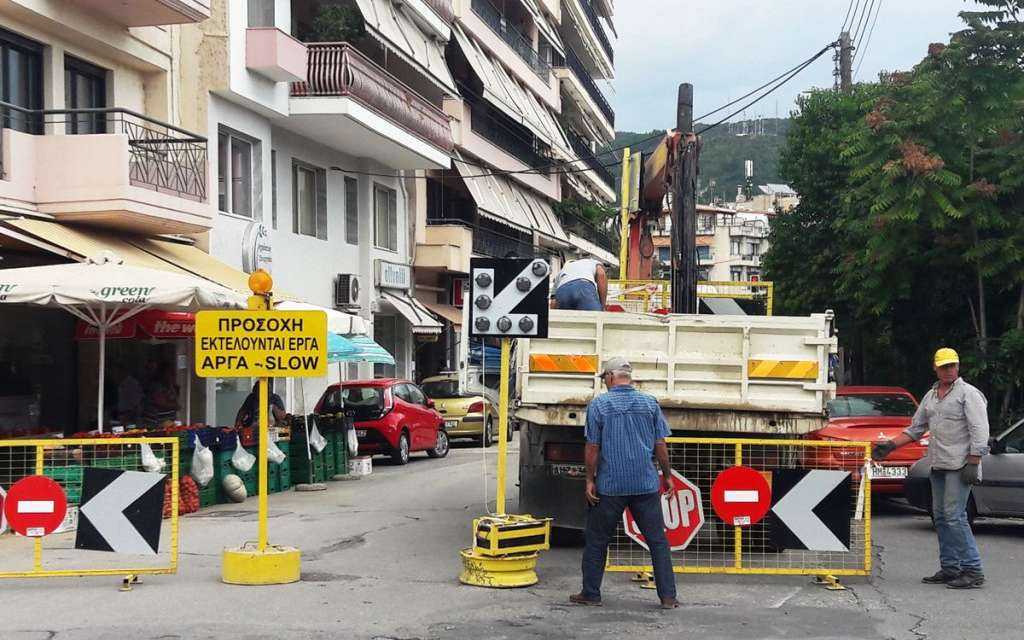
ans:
x=741 y=496
x=681 y=510
x=35 y=506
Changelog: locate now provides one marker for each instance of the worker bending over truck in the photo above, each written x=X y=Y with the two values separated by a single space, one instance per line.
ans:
x=582 y=285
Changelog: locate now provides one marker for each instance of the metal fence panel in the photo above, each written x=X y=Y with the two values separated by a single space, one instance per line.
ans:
x=64 y=461
x=721 y=548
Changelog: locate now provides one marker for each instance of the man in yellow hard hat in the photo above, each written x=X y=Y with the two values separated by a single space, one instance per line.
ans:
x=956 y=414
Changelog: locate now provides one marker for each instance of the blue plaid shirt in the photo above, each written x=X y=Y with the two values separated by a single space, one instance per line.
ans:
x=626 y=424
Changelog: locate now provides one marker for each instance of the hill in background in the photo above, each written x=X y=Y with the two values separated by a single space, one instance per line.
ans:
x=725 y=149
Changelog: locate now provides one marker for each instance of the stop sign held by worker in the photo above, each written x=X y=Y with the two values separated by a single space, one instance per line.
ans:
x=681 y=510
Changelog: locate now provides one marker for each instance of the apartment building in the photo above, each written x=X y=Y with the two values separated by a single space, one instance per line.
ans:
x=730 y=244
x=526 y=119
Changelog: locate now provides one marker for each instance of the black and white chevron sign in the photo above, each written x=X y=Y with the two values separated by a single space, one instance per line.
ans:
x=811 y=509
x=121 y=511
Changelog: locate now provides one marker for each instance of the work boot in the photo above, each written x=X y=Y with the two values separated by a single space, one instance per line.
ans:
x=969 y=579
x=669 y=603
x=579 y=598
x=943 y=576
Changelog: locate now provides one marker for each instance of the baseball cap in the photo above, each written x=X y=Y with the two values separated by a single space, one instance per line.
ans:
x=616 y=364
x=946 y=356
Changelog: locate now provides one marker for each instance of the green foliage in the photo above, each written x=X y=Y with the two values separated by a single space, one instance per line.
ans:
x=336 y=23
x=911 y=223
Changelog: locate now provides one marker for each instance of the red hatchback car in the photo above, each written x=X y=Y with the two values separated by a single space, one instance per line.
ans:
x=873 y=414
x=392 y=417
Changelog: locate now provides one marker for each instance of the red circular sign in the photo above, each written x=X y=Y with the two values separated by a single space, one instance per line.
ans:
x=741 y=496
x=35 y=506
x=681 y=510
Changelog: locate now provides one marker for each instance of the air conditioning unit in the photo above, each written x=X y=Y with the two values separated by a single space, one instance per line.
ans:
x=346 y=290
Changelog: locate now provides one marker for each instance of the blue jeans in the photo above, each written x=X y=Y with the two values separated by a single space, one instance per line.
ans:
x=580 y=295
x=603 y=518
x=957 y=549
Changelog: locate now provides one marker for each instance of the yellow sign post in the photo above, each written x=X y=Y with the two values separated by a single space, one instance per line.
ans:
x=261 y=343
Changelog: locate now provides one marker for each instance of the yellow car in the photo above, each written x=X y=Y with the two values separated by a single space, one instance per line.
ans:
x=465 y=416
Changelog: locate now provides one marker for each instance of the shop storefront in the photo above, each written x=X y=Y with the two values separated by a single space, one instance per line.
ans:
x=401 y=323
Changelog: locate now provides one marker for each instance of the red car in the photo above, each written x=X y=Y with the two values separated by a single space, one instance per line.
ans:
x=392 y=417
x=872 y=414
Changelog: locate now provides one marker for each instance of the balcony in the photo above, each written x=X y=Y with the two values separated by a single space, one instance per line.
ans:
x=149 y=13
x=350 y=103
x=519 y=42
x=589 y=231
x=582 y=150
x=595 y=23
x=522 y=145
x=274 y=54
x=448 y=247
x=488 y=242
x=601 y=107
x=105 y=167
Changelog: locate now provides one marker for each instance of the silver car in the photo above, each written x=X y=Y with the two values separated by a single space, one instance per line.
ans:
x=1000 y=492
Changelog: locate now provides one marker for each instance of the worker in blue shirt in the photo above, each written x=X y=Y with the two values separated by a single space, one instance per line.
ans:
x=625 y=432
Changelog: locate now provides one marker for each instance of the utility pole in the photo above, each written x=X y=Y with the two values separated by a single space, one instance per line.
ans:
x=845 y=62
x=684 y=207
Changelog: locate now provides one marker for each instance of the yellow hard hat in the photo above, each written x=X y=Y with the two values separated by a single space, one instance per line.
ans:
x=946 y=356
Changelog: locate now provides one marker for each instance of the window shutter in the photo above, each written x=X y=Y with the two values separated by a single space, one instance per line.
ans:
x=352 y=210
x=295 y=198
x=392 y=220
x=257 y=181
x=273 y=188
x=321 y=204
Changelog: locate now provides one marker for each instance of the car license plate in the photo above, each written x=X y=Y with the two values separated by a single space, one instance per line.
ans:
x=451 y=424
x=360 y=433
x=891 y=473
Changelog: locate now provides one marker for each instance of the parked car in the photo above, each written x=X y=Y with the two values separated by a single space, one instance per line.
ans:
x=873 y=414
x=465 y=415
x=1001 y=492
x=392 y=417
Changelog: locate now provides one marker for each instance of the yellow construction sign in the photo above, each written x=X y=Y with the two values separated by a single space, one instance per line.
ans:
x=257 y=344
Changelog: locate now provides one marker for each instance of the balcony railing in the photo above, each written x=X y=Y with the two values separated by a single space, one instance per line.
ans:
x=339 y=69
x=444 y=9
x=587 y=230
x=490 y=243
x=580 y=71
x=582 y=151
x=519 y=42
x=161 y=156
x=595 y=22
x=522 y=146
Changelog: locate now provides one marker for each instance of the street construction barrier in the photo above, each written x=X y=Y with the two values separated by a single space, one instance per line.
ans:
x=744 y=506
x=90 y=507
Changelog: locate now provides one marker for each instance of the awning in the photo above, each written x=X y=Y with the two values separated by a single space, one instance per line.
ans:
x=505 y=94
x=343 y=324
x=421 y=320
x=544 y=25
x=446 y=311
x=504 y=201
x=161 y=325
x=388 y=22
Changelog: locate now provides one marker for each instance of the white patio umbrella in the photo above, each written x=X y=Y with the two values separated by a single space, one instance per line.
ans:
x=103 y=292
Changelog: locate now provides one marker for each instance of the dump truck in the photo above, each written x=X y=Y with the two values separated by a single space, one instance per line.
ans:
x=714 y=376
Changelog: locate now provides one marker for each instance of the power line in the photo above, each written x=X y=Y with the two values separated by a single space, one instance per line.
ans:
x=857 y=34
x=870 y=33
x=847 y=18
x=863 y=32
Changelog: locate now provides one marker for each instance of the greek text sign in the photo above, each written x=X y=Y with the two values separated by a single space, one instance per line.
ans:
x=257 y=344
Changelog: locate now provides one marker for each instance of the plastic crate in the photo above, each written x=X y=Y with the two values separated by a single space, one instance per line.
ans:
x=69 y=478
x=132 y=462
x=208 y=495
x=328 y=455
x=341 y=455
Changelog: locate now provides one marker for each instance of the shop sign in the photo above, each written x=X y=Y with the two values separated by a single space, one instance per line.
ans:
x=256 y=248
x=391 y=275
x=162 y=325
x=257 y=344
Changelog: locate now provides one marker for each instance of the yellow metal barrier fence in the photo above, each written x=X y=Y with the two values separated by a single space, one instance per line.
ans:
x=640 y=296
x=64 y=461
x=720 y=547
x=740 y=290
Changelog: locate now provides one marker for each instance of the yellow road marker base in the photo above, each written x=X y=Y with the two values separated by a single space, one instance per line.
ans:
x=274 y=565
x=511 y=534
x=505 y=572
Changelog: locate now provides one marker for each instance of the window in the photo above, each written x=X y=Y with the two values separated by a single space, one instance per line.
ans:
x=85 y=87
x=309 y=200
x=273 y=188
x=871 y=405
x=385 y=207
x=261 y=13
x=415 y=395
x=703 y=253
x=664 y=254
x=351 y=211
x=734 y=248
x=21 y=81
x=736 y=274
x=755 y=248
x=235 y=173
x=385 y=333
x=705 y=223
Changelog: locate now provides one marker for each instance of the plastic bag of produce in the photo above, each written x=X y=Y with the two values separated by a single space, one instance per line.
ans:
x=202 y=464
x=274 y=453
x=150 y=462
x=242 y=459
x=316 y=440
x=353 y=442
x=3 y=518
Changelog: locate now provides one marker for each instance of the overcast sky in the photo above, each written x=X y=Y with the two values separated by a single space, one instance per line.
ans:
x=725 y=48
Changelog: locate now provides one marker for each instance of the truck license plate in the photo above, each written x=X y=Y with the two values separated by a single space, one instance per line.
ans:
x=890 y=473
x=360 y=433
x=451 y=424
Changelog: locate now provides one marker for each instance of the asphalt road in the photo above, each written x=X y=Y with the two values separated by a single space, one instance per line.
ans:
x=380 y=560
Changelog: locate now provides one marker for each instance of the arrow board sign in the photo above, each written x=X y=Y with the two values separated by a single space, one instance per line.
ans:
x=121 y=511
x=811 y=509
x=508 y=298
